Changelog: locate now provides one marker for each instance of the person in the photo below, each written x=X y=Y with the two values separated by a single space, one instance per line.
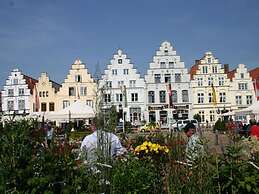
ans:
x=194 y=146
x=49 y=134
x=254 y=130
x=100 y=142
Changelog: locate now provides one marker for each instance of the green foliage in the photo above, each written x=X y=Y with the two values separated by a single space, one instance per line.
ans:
x=197 y=117
x=128 y=127
x=112 y=119
x=219 y=125
x=136 y=176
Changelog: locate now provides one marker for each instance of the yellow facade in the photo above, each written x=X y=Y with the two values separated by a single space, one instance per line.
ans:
x=79 y=85
x=46 y=98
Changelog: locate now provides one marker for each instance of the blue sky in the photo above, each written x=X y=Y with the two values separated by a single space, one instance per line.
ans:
x=48 y=35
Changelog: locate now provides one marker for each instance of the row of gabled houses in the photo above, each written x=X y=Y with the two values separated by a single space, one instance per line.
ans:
x=168 y=90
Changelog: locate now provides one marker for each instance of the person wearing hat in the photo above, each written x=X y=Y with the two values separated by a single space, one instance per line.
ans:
x=194 y=146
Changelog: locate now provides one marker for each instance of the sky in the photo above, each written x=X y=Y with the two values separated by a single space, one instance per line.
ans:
x=48 y=35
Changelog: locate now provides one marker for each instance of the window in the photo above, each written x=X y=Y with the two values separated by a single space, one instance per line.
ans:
x=89 y=103
x=71 y=91
x=120 y=83
x=221 y=81
x=66 y=103
x=242 y=86
x=205 y=69
x=210 y=81
x=238 y=100
x=209 y=60
x=51 y=106
x=171 y=64
x=174 y=96
x=200 y=98
x=109 y=84
x=166 y=52
x=119 y=97
x=157 y=78
x=107 y=98
x=163 y=117
x=162 y=95
x=212 y=115
x=167 y=78
x=125 y=71
x=119 y=61
x=10 y=92
x=177 y=77
x=21 y=91
x=185 y=96
x=151 y=97
x=10 y=105
x=21 y=104
x=40 y=94
x=214 y=69
x=152 y=116
x=43 y=107
x=135 y=114
x=210 y=97
x=83 y=91
x=114 y=72
x=47 y=94
x=132 y=83
x=242 y=75
x=200 y=81
x=249 y=99
x=222 y=97
x=162 y=65
x=201 y=113
x=43 y=94
x=78 y=78
x=134 y=97
x=15 y=81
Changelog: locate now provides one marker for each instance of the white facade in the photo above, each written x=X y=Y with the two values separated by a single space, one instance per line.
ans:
x=242 y=92
x=16 y=94
x=206 y=72
x=167 y=69
x=123 y=87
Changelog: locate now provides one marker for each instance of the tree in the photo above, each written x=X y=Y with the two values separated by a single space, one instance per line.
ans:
x=197 y=117
x=112 y=119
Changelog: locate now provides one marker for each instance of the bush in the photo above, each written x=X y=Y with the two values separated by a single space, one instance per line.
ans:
x=136 y=176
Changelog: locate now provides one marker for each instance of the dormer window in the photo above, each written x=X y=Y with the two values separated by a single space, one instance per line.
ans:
x=119 y=61
x=242 y=75
x=209 y=60
x=166 y=52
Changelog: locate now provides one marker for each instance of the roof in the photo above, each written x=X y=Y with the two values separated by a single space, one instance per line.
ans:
x=55 y=85
x=231 y=74
x=30 y=82
x=194 y=69
x=254 y=73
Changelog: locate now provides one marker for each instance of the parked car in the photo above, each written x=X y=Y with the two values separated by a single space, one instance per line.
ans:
x=180 y=124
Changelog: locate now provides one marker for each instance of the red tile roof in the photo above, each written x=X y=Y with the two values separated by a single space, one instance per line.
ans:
x=231 y=74
x=254 y=73
x=31 y=82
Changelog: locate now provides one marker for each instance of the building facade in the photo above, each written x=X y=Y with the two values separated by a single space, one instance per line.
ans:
x=242 y=92
x=210 y=88
x=167 y=87
x=254 y=73
x=44 y=98
x=79 y=85
x=16 y=94
x=123 y=87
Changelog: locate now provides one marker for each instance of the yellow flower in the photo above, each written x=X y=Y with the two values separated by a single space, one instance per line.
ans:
x=146 y=151
x=166 y=150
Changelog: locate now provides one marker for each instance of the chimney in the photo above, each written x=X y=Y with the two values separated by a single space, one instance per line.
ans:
x=226 y=68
